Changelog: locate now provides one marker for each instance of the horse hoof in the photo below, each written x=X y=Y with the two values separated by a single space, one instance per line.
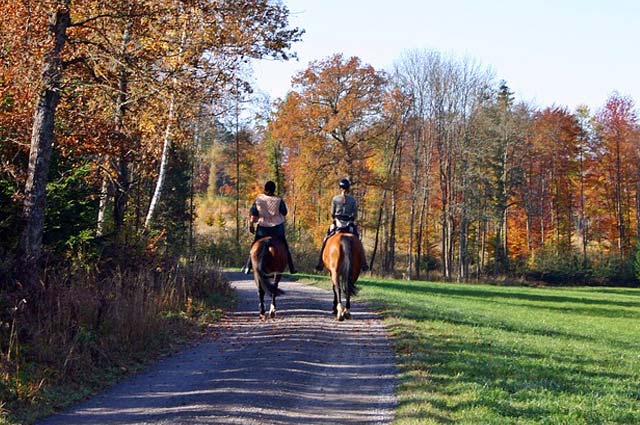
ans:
x=340 y=318
x=347 y=315
x=272 y=314
x=263 y=317
x=335 y=311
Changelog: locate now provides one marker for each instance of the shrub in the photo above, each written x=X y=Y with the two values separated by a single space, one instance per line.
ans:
x=604 y=269
x=547 y=266
x=636 y=262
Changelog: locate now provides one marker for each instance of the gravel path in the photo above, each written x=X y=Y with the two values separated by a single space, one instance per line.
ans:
x=303 y=367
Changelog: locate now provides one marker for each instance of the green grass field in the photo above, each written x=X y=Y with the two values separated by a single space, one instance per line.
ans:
x=482 y=354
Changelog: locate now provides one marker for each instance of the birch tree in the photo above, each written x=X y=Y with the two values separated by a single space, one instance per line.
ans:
x=227 y=33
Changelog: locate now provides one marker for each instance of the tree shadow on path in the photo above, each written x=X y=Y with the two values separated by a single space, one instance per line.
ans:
x=302 y=367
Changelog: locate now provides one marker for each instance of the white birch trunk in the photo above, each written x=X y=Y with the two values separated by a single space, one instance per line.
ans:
x=166 y=146
x=102 y=207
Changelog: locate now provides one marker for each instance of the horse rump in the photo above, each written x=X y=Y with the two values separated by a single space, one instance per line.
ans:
x=347 y=282
x=261 y=257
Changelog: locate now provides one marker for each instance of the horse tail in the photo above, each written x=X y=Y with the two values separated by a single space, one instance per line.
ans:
x=347 y=284
x=263 y=256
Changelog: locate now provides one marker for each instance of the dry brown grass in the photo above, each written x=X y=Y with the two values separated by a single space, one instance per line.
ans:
x=84 y=328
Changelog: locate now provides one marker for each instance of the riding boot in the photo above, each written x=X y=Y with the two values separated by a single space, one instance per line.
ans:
x=292 y=268
x=247 y=268
x=320 y=264
x=365 y=266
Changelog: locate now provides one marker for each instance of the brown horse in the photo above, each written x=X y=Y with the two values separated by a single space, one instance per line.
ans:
x=269 y=259
x=343 y=256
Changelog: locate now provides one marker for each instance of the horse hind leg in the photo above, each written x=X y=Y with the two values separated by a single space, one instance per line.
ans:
x=261 y=305
x=338 y=300
x=347 y=309
x=272 y=309
x=340 y=312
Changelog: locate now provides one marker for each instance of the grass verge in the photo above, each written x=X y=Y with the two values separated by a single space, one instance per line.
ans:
x=480 y=354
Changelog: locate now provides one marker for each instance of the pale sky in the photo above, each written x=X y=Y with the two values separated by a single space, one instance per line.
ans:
x=563 y=52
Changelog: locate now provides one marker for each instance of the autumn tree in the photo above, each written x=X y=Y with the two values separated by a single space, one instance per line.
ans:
x=327 y=124
x=617 y=130
x=390 y=173
x=42 y=136
x=414 y=72
x=555 y=133
x=585 y=152
x=222 y=36
x=114 y=68
x=457 y=87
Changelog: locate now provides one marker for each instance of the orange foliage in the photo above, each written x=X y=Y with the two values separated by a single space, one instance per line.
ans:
x=327 y=127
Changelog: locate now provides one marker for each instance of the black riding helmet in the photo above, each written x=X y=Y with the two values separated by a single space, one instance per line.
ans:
x=344 y=184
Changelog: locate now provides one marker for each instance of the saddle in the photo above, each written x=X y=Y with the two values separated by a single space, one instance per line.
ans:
x=346 y=228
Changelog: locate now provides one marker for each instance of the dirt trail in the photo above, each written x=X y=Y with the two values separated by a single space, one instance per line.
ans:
x=304 y=367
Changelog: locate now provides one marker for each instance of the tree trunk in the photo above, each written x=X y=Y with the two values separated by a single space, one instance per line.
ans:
x=382 y=203
x=583 y=220
x=121 y=186
x=377 y=237
x=391 y=257
x=505 y=239
x=42 y=136
x=541 y=214
x=104 y=198
x=637 y=207
x=166 y=143
x=619 y=208
x=443 y=216
x=424 y=207
x=237 y=163
x=463 y=243
x=121 y=190
x=162 y=174
x=422 y=225
x=483 y=247
x=415 y=178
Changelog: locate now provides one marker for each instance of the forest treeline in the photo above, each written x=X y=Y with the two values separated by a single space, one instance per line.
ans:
x=140 y=137
x=456 y=177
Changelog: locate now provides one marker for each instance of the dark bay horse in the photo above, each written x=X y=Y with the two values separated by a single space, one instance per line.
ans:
x=343 y=256
x=269 y=259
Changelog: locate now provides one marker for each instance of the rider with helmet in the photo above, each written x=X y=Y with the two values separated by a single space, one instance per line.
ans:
x=344 y=210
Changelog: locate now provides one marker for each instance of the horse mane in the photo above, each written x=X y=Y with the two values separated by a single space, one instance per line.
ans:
x=347 y=284
x=263 y=256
